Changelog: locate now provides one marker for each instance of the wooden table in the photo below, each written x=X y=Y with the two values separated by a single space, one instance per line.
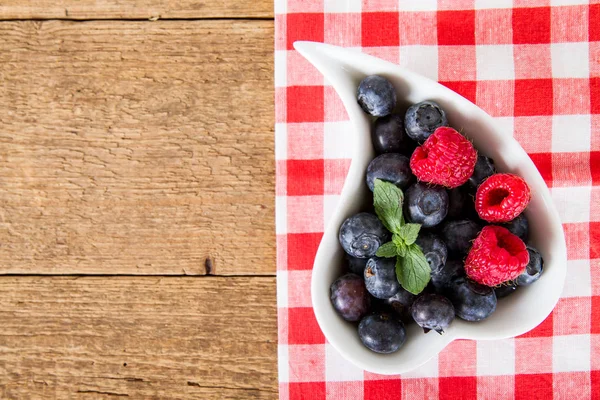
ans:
x=137 y=245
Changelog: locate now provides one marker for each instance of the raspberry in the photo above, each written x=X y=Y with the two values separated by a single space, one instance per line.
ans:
x=446 y=158
x=496 y=256
x=502 y=197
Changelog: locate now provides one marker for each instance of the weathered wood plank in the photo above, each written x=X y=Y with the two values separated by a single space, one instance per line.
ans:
x=145 y=337
x=144 y=9
x=136 y=147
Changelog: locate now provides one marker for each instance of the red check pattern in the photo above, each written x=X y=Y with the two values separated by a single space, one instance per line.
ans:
x=534 y=65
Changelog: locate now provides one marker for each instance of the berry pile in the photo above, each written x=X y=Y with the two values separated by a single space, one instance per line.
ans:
x=448 y=236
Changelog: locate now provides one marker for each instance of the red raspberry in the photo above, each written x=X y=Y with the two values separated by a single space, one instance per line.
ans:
x=502 y=197
x=496 y=256
x=446 y=158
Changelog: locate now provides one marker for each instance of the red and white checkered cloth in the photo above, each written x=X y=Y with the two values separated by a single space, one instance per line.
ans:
x=534 y=65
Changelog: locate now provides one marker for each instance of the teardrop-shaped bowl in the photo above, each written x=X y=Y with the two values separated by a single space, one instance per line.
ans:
x=516 y=314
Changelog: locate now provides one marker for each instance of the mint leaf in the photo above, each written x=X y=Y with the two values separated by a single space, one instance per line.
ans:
x=400 y=245
x=387 y=199
x=409 y=233
x=397 y=239
x=413 y=271
x=401 y=250
x=387 y=250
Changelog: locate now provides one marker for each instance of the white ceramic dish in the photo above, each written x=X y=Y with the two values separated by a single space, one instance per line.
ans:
x=516 y=314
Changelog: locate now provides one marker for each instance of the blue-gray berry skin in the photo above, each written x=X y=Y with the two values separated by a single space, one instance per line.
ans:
x=376 y=96
x=426 y=204
x=446 y=274
x=356 y=265
x=382 y=332
x=422 y=119
x=350 y=298
x=505 y=290
x=400 y=304
x=534 y=268
x=459 y=236
x=472 y=301
x=390 y=167
x=532 y=273
x=433 y=312
x=388 y=136
x=519 y=227
x=362 y=234
x=434 y=249
x=484 y=168
x=380 y=277
x=461 y=203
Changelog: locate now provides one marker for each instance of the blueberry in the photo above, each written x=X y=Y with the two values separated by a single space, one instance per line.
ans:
x=534 y=268
x=460 y=203
x=390 y=167
x=388 y=136
x=376 y=96
x=426 y=204
x=519 y=226
x=472 y=301
x=400 y=304
x=382 y=333
x=484 y=168
x=380 y=277
x=432 y=311
x=444 y=276
x=422 y=119
x=356 y=265
x=350 y=297
x=505 y=289
x=459 y=235
x=362 y=234
x=434 y=249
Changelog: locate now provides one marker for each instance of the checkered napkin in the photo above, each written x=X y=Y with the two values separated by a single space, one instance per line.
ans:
x=534 y=65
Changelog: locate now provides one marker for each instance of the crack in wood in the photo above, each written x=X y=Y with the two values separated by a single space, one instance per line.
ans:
x=128 y=379
x=196 y=384
x=106 y=393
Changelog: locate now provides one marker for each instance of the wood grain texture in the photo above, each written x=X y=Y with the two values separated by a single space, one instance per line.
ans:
x=138 y=9
x=137 y=147
x=141 y=337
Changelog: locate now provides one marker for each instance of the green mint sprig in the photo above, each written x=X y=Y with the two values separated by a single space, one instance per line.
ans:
x=412 y=270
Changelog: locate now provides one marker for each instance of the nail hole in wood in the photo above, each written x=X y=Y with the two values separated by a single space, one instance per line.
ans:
x=208 y=266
